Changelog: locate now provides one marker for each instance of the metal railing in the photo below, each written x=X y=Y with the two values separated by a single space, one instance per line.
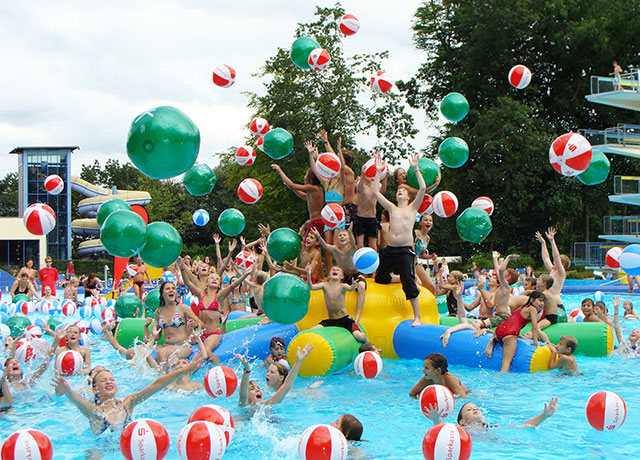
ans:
x=621 y=225
x=629 y=81
x=591 y=254
x=622 y=134
x=623 y=185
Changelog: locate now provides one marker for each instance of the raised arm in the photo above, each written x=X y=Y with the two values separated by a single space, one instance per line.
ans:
x=461 y=312
x=189 y=279
x=244 y=382
x=225 y=262
x=557 y=261
x=548 y=411
x=324 y=136
x=291 y=377
x=217 y=240
x=386 y=204
x=312 y=287
x=545 y=252
x=417 y=201
x=42 y=367
x=62 y=387
x=329 y=247
x=616 y=319
x=128 y=354
x=313 y=155
x=299 y=189
x=224 y=292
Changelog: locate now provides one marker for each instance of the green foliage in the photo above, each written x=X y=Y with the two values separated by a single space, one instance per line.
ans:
x=9 y=196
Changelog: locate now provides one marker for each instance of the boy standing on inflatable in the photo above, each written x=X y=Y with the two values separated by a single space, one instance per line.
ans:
x=398 y=256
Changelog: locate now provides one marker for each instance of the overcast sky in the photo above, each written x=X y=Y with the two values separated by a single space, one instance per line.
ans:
x=78 y=72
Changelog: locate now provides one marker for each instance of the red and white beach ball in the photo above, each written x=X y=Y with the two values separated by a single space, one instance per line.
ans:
x=26 y=308
x=259 y=126
x=369 y=169
x=245 y=156
x=439 y=396
x=27 y=444
x=368 y=364
x=483 y=202
x=570 y=154
x=39 y=219
x=332 y=215
x=245 y=259
x=132 y=270
x=69 y=362
x=83 y=325
x=218 y=415
x=224 y=76
x=577 y=315
x=45 y=307
x=328 y=165
x=612 y=258
x=319 y=59
x=25 y=351
x=54 y=184
x=606 y=411
x=381 y=82
x=33 y=332
x=425 y=207
x=92 y=301
x=220 y=381
x=322 y=442
x=519 y=76
x=108 y=314
x=446 y=441
x=144 y=439
x=349 y=24
x=445 y=204
x=68 y=309
x=260 y=144
x=201 y=441
x=250 y=191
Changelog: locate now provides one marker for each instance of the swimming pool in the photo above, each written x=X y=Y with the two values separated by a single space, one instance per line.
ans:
x=394 y=425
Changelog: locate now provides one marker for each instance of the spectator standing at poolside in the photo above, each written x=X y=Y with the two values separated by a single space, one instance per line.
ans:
x=70 y=270
x=48 y=276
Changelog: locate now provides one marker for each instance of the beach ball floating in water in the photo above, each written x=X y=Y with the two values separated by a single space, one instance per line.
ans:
x=33 y=332
x=319 y=59
x=95 y=326
x=259 y=126
x=26 y=308
x=123 y=233
x=201 y=440
x=162 y=245
x=283 y=244
x=425 y=207
x=245 y=259
x=109 y=206
x=39 y=219
x=381 y=82
x=200 y=217
x=598 y=169
x=366 y=260
x=300 y=50
x=473 y=225
x=199 y=180
x=224 y=76
x=285 y=298
x=612 y=258
x=369 y=169
x=349 y=25
x=630 y=260
x=519 y=76
x=430 y=173
x=277 y=143
x=605 y=411
x=328 y=165
x=570 y=154
x=250 y=191
x=69 y=363
x=24 y=351
x=231 y=222
x=218 y=415
x=453 y=152
x=484 y=203
x=332 y=215
x=368 y=364
x=322 y=442
x=144 y=439
x=445 y=204
x=245 y=156
x=108 y=314
x=454 y=107
x=446 y=441
x=27 y=444
x=163 y=142
x=220 y=381
x=439 y=397
x=54 y=184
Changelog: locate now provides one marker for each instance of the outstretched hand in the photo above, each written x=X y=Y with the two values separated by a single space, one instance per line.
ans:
x=302 y=354
x=243 y=361
x=216 y=238
x=413 y=161
x=549 y=409
x=540 y=238
x=60 y=384
x=432 y=413
x=551 y=233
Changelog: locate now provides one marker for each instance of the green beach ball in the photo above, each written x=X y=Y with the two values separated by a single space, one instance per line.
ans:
x=126 y=306
x=163 y=142
x=152 y=301
x=18 y=297
x=231 y=222
x=454 y=107
x=162 y=245
x=283 y=244
x=123 y=233
x=285 y=298
x=199 y=180
x=473 y=225
x=454 y=152
x=598 y=169
x=430 y=172
x=106 y=208
x=17 y=324
x=278 y=143
x=300 y=50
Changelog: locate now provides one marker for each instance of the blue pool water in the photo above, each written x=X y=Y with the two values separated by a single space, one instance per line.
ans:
x=394 y=425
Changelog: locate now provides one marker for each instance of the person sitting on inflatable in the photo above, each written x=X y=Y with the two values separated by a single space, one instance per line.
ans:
x=250 y=392
x=436 y=372
x=562 y=354
x=334 y=293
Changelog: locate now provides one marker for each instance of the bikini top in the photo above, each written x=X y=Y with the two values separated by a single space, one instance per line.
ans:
x=108 y=425
x=176 y=321
x=213 y=306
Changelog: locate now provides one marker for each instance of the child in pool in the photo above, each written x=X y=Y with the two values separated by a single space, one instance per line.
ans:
x=334 y=293
x=628 y=346
x=350 y=427
x=436 y=372
x=71 y=290
x=629 y=313
x=278 y=352
x=72 y=335
x=587 y=308
x=368 y=346
x=562 y=355
x=47 y=294
x=472 y=418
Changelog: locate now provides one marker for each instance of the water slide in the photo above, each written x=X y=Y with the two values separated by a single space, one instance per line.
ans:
x=88 y=207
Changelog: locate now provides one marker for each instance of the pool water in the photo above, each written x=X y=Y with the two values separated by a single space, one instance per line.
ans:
x=394 y=424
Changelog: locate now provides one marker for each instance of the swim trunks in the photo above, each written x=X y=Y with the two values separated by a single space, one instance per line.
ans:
x=318 y=224
x=497 y=320
x=400 y=260
x=350 y=210
x=553 y=319
x=345 y=322
x=367 y=226
x=354 y=278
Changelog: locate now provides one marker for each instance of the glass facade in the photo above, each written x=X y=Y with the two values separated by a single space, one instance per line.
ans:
x=14 y=253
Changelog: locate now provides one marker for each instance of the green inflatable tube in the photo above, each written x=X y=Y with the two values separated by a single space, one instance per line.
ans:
x=441 y=301
x=235 y=324
x=130 y=329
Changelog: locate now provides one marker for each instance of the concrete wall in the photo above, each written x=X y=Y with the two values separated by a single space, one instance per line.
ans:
x=12 y=228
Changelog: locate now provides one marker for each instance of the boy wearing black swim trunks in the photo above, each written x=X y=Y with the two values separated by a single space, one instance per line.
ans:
x=334 y=292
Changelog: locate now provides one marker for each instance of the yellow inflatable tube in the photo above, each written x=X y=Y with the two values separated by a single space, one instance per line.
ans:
x=385 y=306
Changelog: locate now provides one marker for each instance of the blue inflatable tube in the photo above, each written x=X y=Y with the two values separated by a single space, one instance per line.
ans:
x=464 y=349
x=253 y=341
x=237 y=314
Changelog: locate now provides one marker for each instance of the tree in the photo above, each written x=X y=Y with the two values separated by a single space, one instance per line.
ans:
x=9 y=197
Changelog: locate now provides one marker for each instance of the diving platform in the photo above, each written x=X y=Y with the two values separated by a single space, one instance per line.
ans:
x=623 y=93
x=623 y=139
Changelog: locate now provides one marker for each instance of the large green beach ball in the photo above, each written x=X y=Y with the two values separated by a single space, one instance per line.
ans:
x=454 y=152
x=123 y=233
x=199 y=180
x=278 y=143
x=598 y=169
x=300 y=50
x=430 y=172
x=231 y=222
x=162 y=245
x=283 y=244
x=454 y=107
x=473 y=225
x=285 y=298
x=126 y=306
x=106 y=208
